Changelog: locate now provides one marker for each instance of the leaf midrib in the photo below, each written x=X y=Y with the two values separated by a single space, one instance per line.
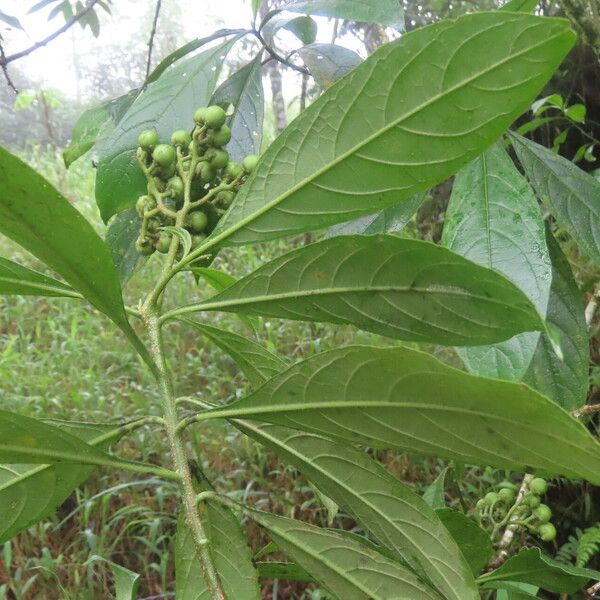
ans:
x=64 y=291
x=351 y=491
x=243 y=222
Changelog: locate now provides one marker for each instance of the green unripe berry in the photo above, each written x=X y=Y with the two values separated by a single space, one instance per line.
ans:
x=547 y=532
x=144 y=246
x=197 y=221
x=225 y=198
x=164 y=242
x=538 y=486
x=219 y=159
x=480 y=504
x=205 y=172
x=145 y=204
x=214 y=117
x=234 y=170
x=164 y=155
x=249 y=163
x=176 y=186
x=491 y=498
x=148 y=139
x=507 y=495
x=543 y=513
x=154 y=224
x=221 y=136
x=197 y=239
x=182 y=138
x=200 y=115
x=533 y=501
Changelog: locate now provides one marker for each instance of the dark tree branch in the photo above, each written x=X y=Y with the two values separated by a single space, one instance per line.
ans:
x=11 y=85
x=4 y=60
x=152 y=34
x=278 y=57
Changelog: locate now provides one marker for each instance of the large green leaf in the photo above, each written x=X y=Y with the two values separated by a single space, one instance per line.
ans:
x=37 y=217
x=406 y=289
x=396 y=125
x=564 y=380
x=474 y=542
x=571 y=193
x=493 y=219
x=534 y=567
x=386 y=12
x=328 y=62
x=377 y=397
x=348 y=569
x=167 y=104
x=390 y=220
x=397 y=517
x=230 y=554
x=244 y=90
x=18 y=280
x=256 y=362
x=30 y=493
x=303 y=27
x=95 y=124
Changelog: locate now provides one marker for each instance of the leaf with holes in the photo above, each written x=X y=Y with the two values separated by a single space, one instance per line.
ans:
x=333 y=164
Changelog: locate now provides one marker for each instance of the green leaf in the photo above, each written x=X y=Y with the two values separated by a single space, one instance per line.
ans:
x=27 y=440
x=376 y=397
x=526 y=6
x=95 y=124
x=474 y=542
x=30 y=493
x=390 y=220
x=397 y=517
x=304 y=28
x=285 y=571
x=435 y=495
x=121 y=236
x=571 y=193
x=230 y=554
x=564 y=381
x=10 y=20
x=513 y=590
x=18 y=280
x=333 y=164
x=386 y=12
x=256 y=362
x=126 y=582
x=405 y=289
x=328 y=63
x=348 y=569
x=218 y=280
x=533 y=567
x=186 y=49
x=244 y=90
x=576 y=113
x=167 y=104
x=494 y=219
x=38 y=218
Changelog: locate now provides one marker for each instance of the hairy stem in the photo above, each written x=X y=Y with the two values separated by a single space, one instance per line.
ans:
x=180 y=463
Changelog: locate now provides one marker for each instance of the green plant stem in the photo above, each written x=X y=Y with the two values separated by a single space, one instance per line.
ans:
x=179 y=458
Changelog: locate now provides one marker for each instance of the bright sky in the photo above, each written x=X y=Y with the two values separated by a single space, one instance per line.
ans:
x=53 y=65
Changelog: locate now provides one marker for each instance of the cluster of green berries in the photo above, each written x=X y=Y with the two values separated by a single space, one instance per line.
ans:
x=500 y=508
x=191 y=181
